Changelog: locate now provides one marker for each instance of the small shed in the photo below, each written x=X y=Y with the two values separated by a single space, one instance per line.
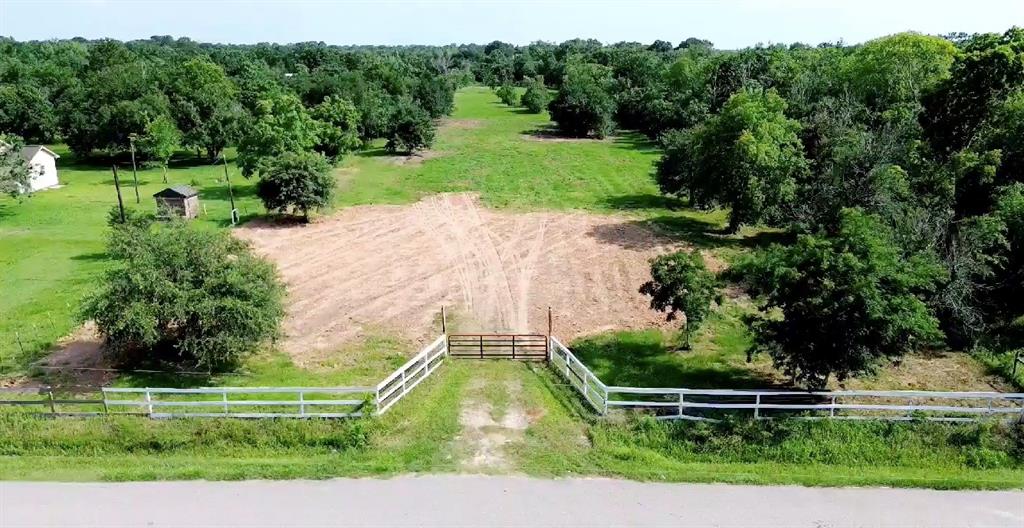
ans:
x=179 y=200
x=44 y=167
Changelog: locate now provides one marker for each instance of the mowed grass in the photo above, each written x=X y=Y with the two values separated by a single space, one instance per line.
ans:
x=52 y=248
x=503 y=154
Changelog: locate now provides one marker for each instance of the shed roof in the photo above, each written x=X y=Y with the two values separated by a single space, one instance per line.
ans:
x=177 y=191
x=29 y=151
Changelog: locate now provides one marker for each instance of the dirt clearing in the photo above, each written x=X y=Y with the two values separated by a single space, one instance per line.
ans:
x=393 y=267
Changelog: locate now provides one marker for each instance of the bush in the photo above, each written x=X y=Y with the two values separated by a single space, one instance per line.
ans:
x=680 y=282
x=296 y=181
x=184 y=295
x=536 y=97
x=584 y=104
x=507 y=94
x=411 y=130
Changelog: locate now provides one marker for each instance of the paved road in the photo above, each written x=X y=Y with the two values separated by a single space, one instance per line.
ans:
x=479 y=501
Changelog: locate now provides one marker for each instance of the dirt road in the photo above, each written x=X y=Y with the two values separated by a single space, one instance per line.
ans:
x=390 y=268
x=473 y=501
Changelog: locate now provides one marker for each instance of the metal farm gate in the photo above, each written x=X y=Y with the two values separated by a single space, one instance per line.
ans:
x=498 y=346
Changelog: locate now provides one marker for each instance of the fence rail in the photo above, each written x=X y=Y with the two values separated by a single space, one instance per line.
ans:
x=708 y=404
x=237 y=402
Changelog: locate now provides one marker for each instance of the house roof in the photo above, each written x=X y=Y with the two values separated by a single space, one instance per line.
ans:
x=177 y=191
x=29 y=151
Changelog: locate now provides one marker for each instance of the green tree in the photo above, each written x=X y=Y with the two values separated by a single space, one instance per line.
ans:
x=160 y=141
x=435 y=94
x=680 y=282
x=281 y=124
x=748 y=157
x=536 y=96
x=15 y=172
x=185 y=295
x=204 y=105
x=411 y=130
x=897 y=69
x=507 y=94
x=838 y=305
x=339 y=127
x=25 y=111
x=584 y=105
x=296 y=182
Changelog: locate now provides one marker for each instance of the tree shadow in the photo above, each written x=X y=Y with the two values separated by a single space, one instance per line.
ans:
x=699 y=232
x=526 y=111
x=632 y=140
x=220 y=192
x=374 y=152
x=632 y=202
x=97 y=256
x=650 y=363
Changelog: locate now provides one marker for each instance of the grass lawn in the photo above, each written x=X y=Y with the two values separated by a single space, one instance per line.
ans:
x=52 y=251
x=52 y=248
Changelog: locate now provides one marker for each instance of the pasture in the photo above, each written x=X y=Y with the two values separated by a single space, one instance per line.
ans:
x=525 y=221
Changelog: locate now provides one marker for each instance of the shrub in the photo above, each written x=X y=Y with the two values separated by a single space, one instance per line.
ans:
x=507 y=94
x=296 y=181
x=536 y=97
x=411 y=130
x=680 y=282
x=184 y=295
x=584 y=104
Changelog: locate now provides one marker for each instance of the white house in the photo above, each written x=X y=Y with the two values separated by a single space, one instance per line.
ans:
x=44 y=166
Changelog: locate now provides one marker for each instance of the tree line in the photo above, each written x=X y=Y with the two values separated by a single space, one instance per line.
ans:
x=894 y=168
x=291 y=110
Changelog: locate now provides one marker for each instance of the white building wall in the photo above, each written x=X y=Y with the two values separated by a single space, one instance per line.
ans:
x=44 y=171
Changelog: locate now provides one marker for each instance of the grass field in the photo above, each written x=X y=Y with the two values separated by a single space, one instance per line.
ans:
x=52 y=251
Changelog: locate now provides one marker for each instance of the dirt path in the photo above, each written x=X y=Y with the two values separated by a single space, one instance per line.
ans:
x=392 y=267
x=488 y=428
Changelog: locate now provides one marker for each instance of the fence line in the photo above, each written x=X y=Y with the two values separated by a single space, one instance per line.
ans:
x=244 y=402
x=705 y=404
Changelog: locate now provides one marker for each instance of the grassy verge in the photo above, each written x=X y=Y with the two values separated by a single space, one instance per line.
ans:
x=414 y=436
x=811 y=453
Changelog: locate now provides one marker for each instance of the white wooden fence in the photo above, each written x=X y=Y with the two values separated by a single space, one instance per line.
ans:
x=704 y=404
x=242 y=402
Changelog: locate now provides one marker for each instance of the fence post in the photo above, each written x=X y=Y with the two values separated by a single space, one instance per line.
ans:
x=832 y=408
x=605 y=411
x=681 y=402
x=53 y=406
x=403 y=382
x=481 y=346
x=302 y=404
x=757 y=406
x=103 y=392
x=149 y=403
x=513 y=346
x=224 y=399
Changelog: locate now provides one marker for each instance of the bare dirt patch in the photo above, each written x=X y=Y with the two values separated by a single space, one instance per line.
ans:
x=935 y=371
x=77 y=359
x=414 y=159
x=459 y=124
x=393 y=267
x=486 y=431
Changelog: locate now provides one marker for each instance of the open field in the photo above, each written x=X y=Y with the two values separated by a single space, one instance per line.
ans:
x=393 y=267
x=522 y=222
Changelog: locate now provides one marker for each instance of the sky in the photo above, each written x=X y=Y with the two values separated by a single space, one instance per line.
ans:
x=727 y=23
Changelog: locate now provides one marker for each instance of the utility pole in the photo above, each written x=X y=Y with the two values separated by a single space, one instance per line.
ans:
x=231 y=193
x=135 y=173
x=117 y=185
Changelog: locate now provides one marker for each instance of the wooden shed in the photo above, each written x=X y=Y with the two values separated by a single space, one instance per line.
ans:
x=179 y=200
